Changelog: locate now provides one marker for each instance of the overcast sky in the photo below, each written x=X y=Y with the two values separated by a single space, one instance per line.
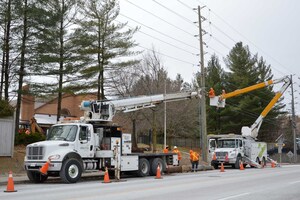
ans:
x=270 y=28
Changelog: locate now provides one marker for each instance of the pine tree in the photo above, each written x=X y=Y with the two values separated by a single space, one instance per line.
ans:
x=215 y=79
x=57 y=59
x=242 y=110
x=105 y=42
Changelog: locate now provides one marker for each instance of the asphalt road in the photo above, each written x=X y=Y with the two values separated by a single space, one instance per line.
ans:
x=250 y=184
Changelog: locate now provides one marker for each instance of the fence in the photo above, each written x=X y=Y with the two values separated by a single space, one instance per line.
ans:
x=175 y=141
x=7 y=137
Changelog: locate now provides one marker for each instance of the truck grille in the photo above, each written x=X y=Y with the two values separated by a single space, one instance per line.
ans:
x=35 y=153
x=221 y=154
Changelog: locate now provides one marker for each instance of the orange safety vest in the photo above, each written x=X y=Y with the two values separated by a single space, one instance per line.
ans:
x=191 y=155
x=178 y=153
x=195 y=156
x=166 y=150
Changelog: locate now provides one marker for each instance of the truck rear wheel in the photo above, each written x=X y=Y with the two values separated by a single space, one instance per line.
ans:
x=155 y=162
x=144 y=167
x=71 y=171
x=36 y=177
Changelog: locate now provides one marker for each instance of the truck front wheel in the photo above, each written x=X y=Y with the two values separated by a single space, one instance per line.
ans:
x=237 y=162
x=71 y=171
x=215 y=165
x=144 y=167
x=36 y=176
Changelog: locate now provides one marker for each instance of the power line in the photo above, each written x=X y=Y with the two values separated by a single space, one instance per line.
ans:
x=183 y=61
x=247 y=40
x=161 y=19
x=163 y=41
x=158 y=31
x=184 y=18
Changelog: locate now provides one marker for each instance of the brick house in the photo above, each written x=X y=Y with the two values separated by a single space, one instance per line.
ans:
x=45 y=113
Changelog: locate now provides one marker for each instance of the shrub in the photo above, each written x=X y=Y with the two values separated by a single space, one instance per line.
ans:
x=24 y=137
x=6 y=110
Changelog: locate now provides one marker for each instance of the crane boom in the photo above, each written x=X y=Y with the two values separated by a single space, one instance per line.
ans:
x=253 y=130
x=105 y=110
x=219 y=101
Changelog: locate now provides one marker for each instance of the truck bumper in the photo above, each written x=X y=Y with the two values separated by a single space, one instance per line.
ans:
x=218 y=162
x=31 y=165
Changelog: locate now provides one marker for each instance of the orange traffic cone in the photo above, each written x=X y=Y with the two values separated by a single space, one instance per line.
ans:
x=10 y=183
x=214 y=157
x=273 y=164
x=106 y=176
x=158 y=175
x=222 y=168
x=242 y=166
x=45 y=167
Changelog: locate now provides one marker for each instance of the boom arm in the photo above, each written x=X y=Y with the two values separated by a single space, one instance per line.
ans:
x=106 y=110
x=219 y=101
x=253 y=130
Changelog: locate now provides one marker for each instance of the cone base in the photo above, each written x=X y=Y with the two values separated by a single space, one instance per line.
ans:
x=158 y=177
x=106 y=182
x=10 y=191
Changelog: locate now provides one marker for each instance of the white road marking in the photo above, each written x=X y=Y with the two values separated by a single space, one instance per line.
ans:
x=294 y=182
x=235 y=196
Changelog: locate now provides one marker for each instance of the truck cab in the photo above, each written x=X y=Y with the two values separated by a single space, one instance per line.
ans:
x=226 y=149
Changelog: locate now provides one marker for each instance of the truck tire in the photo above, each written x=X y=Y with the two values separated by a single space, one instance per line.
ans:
x=237 y=162
x=36 y=177
x=71 y=171
x=144 y=167
x=215 y=165
x=155 y=162
x=263 y=162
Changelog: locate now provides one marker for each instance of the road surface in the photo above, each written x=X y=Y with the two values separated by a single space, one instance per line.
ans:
x=259 y=184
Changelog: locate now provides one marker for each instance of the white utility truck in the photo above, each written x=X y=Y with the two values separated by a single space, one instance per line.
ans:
x=232 y=149
x=92 y=143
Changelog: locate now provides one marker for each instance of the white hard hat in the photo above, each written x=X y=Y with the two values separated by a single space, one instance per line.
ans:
x=175 y=147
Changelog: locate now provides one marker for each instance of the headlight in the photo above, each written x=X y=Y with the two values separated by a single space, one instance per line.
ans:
x=54 y=157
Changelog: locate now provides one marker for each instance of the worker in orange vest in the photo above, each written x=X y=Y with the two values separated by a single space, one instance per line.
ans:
x=195 y=161
x=175 y=150
x=166 y=150
x=191 y=156
x=211 y=93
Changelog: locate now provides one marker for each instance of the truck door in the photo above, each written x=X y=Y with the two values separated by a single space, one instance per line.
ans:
x=212 y=145
x=85 y=142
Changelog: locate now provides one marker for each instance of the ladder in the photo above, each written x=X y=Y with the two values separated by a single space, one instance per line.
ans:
x=252 y=163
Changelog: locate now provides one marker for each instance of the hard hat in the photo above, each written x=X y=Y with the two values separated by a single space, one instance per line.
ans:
x=191 y=151
x=175 y=147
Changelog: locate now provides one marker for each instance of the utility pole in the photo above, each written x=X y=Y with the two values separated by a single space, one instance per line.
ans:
x=294 y=121
x=165 y=115
x=203 y=133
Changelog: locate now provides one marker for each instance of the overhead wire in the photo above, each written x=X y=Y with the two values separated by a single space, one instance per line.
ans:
x=230 y=26
x=182 y=17
x=184 y=50
x=161 y=19
x=166 y=35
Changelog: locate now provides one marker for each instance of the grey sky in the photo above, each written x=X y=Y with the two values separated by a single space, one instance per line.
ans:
x=270 y=28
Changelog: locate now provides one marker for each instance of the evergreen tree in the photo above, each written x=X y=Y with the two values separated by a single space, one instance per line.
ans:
x=105 y=42
x=57 y=59
x=215 y=79
x=243 y=110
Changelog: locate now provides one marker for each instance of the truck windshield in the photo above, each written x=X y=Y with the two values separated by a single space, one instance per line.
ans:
x=65 y=133
x=230 y=143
